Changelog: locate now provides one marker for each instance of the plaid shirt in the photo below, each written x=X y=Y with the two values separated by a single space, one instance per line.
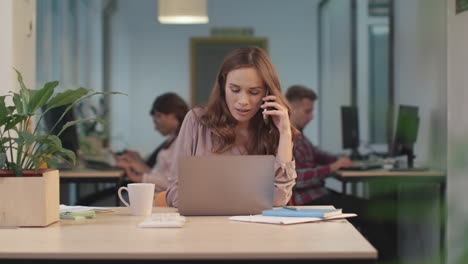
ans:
x=312 y=167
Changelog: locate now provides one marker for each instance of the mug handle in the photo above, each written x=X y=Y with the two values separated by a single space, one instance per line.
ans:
x=119 y=192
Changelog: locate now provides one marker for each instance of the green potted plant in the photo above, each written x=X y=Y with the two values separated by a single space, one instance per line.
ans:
x=29 y=192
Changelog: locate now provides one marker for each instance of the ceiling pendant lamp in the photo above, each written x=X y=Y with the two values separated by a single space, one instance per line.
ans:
x=182 y=12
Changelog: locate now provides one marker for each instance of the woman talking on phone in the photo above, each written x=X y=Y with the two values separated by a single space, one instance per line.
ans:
x=245 y=115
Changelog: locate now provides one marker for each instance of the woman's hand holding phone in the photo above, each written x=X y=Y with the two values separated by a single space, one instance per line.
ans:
x=280 y=116
x=278 y=113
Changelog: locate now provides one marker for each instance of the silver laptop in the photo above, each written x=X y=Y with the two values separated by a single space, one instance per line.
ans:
x=226 y=185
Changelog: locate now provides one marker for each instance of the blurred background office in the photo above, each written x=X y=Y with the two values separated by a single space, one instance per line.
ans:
x=346 y=50
x=121 y=46
x=373 y=54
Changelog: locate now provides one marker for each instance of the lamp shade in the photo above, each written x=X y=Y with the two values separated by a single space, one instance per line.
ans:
x=182 y=12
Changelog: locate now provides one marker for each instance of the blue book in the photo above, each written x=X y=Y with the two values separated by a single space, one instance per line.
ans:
x=299 y=212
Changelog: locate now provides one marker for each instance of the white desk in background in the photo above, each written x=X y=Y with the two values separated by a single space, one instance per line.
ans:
x=93 y=176
x=383 y=175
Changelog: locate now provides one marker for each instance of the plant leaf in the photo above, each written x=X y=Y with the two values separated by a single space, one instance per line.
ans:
x=5 y=120
x=69 y=154
x=52 y=145
x=35 y=162
x=72 y=123
x=2 y=159
x=51 y=140
x=20 y=79
x=3 y=108
x=16 y=119
x=67 y=97
x=18 y=104
x=41 y=96
x=4 y=140
x=52 y=162
x=27 y=137
x=5 y=111
x=24 y=92
x=17 y=170
x=19 y=140
x=10 y=109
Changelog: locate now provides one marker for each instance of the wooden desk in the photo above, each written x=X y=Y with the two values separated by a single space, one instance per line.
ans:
x=90 y=175
x=394 y=176
x=115 y=236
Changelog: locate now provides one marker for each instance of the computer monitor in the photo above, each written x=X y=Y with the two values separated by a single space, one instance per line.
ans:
x=350 y=130
x=406 y=133
x=69 y=137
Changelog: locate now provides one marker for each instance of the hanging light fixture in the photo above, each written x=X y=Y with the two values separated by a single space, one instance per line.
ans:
x=182 y=12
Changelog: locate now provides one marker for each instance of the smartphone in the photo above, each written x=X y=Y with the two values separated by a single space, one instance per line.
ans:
x=266 y=118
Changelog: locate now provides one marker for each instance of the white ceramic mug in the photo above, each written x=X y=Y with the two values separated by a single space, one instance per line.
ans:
x=141 y=197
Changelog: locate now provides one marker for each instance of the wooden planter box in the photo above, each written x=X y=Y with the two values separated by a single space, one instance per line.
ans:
x=30 y=200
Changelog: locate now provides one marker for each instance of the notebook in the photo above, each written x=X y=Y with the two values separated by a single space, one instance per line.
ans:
x=226 y=185
x=300 y=212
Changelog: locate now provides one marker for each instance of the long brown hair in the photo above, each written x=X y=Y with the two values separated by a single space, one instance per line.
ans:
x=264 y=138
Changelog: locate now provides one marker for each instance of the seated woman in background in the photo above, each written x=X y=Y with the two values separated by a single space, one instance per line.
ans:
x=245 y=96
x=168 y=112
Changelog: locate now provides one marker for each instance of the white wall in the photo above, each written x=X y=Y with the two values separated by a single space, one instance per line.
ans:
x=150 y=58
x=420 y=73
x=17 y=43
x=6 y=41
x=457 y=86
x=24 y=40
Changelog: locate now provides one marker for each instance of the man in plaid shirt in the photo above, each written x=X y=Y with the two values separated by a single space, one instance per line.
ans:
x=312 y=164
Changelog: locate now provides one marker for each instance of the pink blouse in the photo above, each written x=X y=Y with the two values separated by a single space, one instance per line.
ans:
x=195 y=140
